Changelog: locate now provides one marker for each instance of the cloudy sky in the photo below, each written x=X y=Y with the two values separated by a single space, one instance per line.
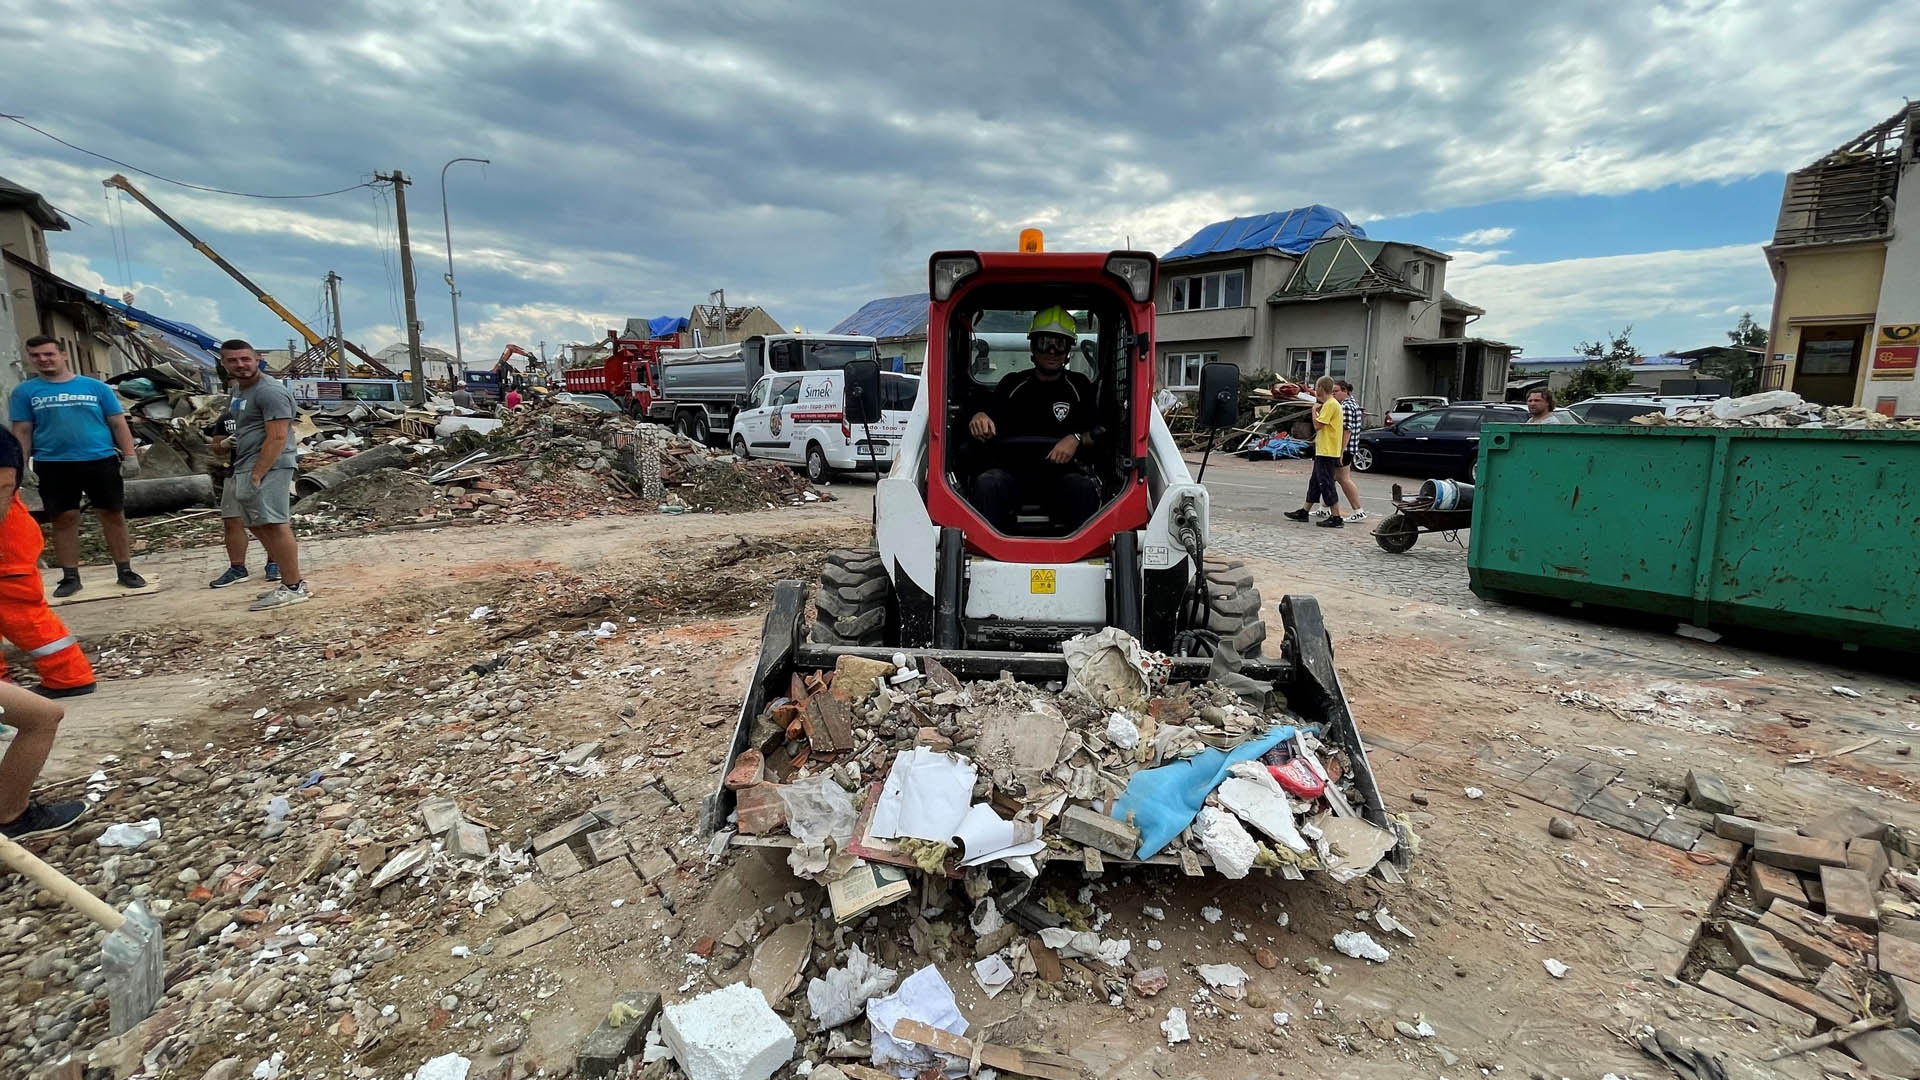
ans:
x=1588 y=164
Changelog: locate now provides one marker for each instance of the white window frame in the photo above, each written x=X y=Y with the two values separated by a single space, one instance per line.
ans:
x=1311 y=363
x=1188 y=292
x=1183 y=363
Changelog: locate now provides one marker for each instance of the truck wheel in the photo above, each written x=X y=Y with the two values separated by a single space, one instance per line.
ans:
x=1233 y=607
x=817 y=469
x=740 y=448
x=683 y=423
x=851 y=605
x=699 y=433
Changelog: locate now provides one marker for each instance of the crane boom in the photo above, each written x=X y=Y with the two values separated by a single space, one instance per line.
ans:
x=313 y=340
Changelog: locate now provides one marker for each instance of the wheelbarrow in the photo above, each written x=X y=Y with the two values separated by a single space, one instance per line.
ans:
x=1442 y=506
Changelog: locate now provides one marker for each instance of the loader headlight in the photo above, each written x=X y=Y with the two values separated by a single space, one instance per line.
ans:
x=1137 y=271
x=947 y=270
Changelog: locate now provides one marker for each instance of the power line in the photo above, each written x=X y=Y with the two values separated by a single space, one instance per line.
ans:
x=169 y=180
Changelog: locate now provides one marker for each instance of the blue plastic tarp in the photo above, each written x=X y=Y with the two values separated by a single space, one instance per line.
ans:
x=1291 y=231
x=887 y=317
x=666 y=326
x=1165 y=800
x=177 y=329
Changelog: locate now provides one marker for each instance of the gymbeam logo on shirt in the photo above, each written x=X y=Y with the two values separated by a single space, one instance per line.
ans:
x=1061 y=409
x=64 y=400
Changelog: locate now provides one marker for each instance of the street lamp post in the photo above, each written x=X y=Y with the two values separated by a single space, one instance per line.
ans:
x=453 y=294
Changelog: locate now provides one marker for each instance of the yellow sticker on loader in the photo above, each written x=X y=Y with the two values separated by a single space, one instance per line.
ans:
x=1042 y=582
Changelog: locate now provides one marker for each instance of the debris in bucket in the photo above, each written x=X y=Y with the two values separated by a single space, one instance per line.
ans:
x=940 y=776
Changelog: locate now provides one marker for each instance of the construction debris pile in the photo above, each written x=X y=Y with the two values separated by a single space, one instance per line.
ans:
x=1777 y=409
x=362 y=465
x=878 y=766
x=1826 y=937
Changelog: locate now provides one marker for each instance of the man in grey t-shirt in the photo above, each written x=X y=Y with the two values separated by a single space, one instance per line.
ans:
x=259 y=493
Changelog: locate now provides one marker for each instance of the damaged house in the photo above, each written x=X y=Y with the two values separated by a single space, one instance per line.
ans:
x=1303 y=293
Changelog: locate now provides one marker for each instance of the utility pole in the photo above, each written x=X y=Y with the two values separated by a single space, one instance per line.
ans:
x=400 y=182
x=719 y=297
x=333 y=303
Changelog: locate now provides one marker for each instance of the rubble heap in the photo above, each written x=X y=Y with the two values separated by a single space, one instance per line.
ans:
x=1777 y=409
x=876 y=766
x=1826 y=937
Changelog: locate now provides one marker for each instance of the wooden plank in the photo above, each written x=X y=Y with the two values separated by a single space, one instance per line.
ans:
x=1900 y=958
x=1798 y=997
x=1754 y=1001
x=1771 y=883
x=1849 y=897
x=527 y=937
x=1035 y=1063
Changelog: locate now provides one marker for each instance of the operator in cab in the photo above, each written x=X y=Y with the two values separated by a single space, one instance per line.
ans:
x=1053 y=407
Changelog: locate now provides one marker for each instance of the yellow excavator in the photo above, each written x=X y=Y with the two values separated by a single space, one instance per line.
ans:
x=320 y=350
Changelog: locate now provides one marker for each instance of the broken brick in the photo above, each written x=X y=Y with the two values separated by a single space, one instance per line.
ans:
x=573 y=827
x=1869 y=857
x=1758 y=948
x=760 y=810
x=1085 y=825
x=1807 y=853
x=1796 y=996
x=749 y=769
x=610 y=1044
x=1150 y=981
x=1770 y=883
x=1708 y=792
x=828 y=721
x=1849 y=897
x=558 y=863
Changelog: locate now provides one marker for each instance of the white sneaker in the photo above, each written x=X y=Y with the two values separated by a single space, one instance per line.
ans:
x=1321 y=511
x=283 y=596
x=1357 y=515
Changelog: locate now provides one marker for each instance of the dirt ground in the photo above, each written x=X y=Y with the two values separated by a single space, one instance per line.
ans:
x=1452 y=699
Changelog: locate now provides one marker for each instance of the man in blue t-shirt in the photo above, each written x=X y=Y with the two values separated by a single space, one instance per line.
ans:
x=76 y=433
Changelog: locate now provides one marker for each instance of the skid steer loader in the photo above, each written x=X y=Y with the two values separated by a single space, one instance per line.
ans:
x=941 y=581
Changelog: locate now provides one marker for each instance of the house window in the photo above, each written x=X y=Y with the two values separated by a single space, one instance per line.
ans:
x=1304 y=364
x=1228 y=288
x=1181 y=371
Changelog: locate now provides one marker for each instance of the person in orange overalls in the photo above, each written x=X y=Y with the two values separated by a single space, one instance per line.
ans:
x=25 y=618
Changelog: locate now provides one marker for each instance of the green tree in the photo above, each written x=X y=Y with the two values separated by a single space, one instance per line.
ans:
x=1609 y=366
x=1735 y=364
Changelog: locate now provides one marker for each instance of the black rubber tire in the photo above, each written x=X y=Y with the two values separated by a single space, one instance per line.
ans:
x=817 y=470
x=854 y=601
x=700 y=434
x=1233 y=607
x=683 y=424
x=1362 y=459
x=740 y=448
x=1396 y=534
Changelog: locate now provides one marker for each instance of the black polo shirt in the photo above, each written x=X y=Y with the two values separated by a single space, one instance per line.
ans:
x=1026 y=405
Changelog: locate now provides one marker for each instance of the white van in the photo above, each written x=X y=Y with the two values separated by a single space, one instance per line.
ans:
x=800 y=418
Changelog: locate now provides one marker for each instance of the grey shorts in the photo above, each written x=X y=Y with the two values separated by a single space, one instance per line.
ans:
x=267 y=504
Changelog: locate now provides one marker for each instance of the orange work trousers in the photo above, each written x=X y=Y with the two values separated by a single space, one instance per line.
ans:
x=25 y=618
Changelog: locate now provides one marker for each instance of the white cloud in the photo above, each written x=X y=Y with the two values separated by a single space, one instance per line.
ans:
x=1484 y=237
x=1549 y=306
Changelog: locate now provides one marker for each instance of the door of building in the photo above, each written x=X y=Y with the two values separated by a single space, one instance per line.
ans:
x=1828 y=367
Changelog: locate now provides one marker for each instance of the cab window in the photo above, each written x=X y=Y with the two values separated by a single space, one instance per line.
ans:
x=1000 y=348
x=898 y=393
x=758 y=398
x=785 y=392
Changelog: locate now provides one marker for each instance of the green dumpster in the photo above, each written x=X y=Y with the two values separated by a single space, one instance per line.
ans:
x=1795 y=531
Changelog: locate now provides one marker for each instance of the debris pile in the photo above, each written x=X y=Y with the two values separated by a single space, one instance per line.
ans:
x=1826 y=937
x=875 y=768
x=1777 y=409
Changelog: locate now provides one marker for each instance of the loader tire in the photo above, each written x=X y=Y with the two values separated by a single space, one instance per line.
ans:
x=1233 y=607
x=853 y=602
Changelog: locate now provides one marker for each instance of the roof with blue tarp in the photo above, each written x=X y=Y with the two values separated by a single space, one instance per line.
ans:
x=667 y=326
x=177 y=329
x=1291 y=231
x=887 y=317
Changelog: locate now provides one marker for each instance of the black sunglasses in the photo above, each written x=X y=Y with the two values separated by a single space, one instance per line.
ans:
x=1052 y=344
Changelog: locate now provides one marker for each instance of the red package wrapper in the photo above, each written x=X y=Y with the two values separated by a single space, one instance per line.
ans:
x=1298 y=778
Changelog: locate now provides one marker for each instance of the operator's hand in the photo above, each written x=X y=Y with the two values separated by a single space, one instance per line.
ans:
x=982 y=426
x=219 y=442
x=1064 y=450
x=129 y=467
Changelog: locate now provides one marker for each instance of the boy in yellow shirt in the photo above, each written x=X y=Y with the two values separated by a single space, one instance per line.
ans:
x=1329 y=441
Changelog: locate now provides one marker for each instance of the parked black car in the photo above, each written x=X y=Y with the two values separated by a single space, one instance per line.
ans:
x=1439 y=442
